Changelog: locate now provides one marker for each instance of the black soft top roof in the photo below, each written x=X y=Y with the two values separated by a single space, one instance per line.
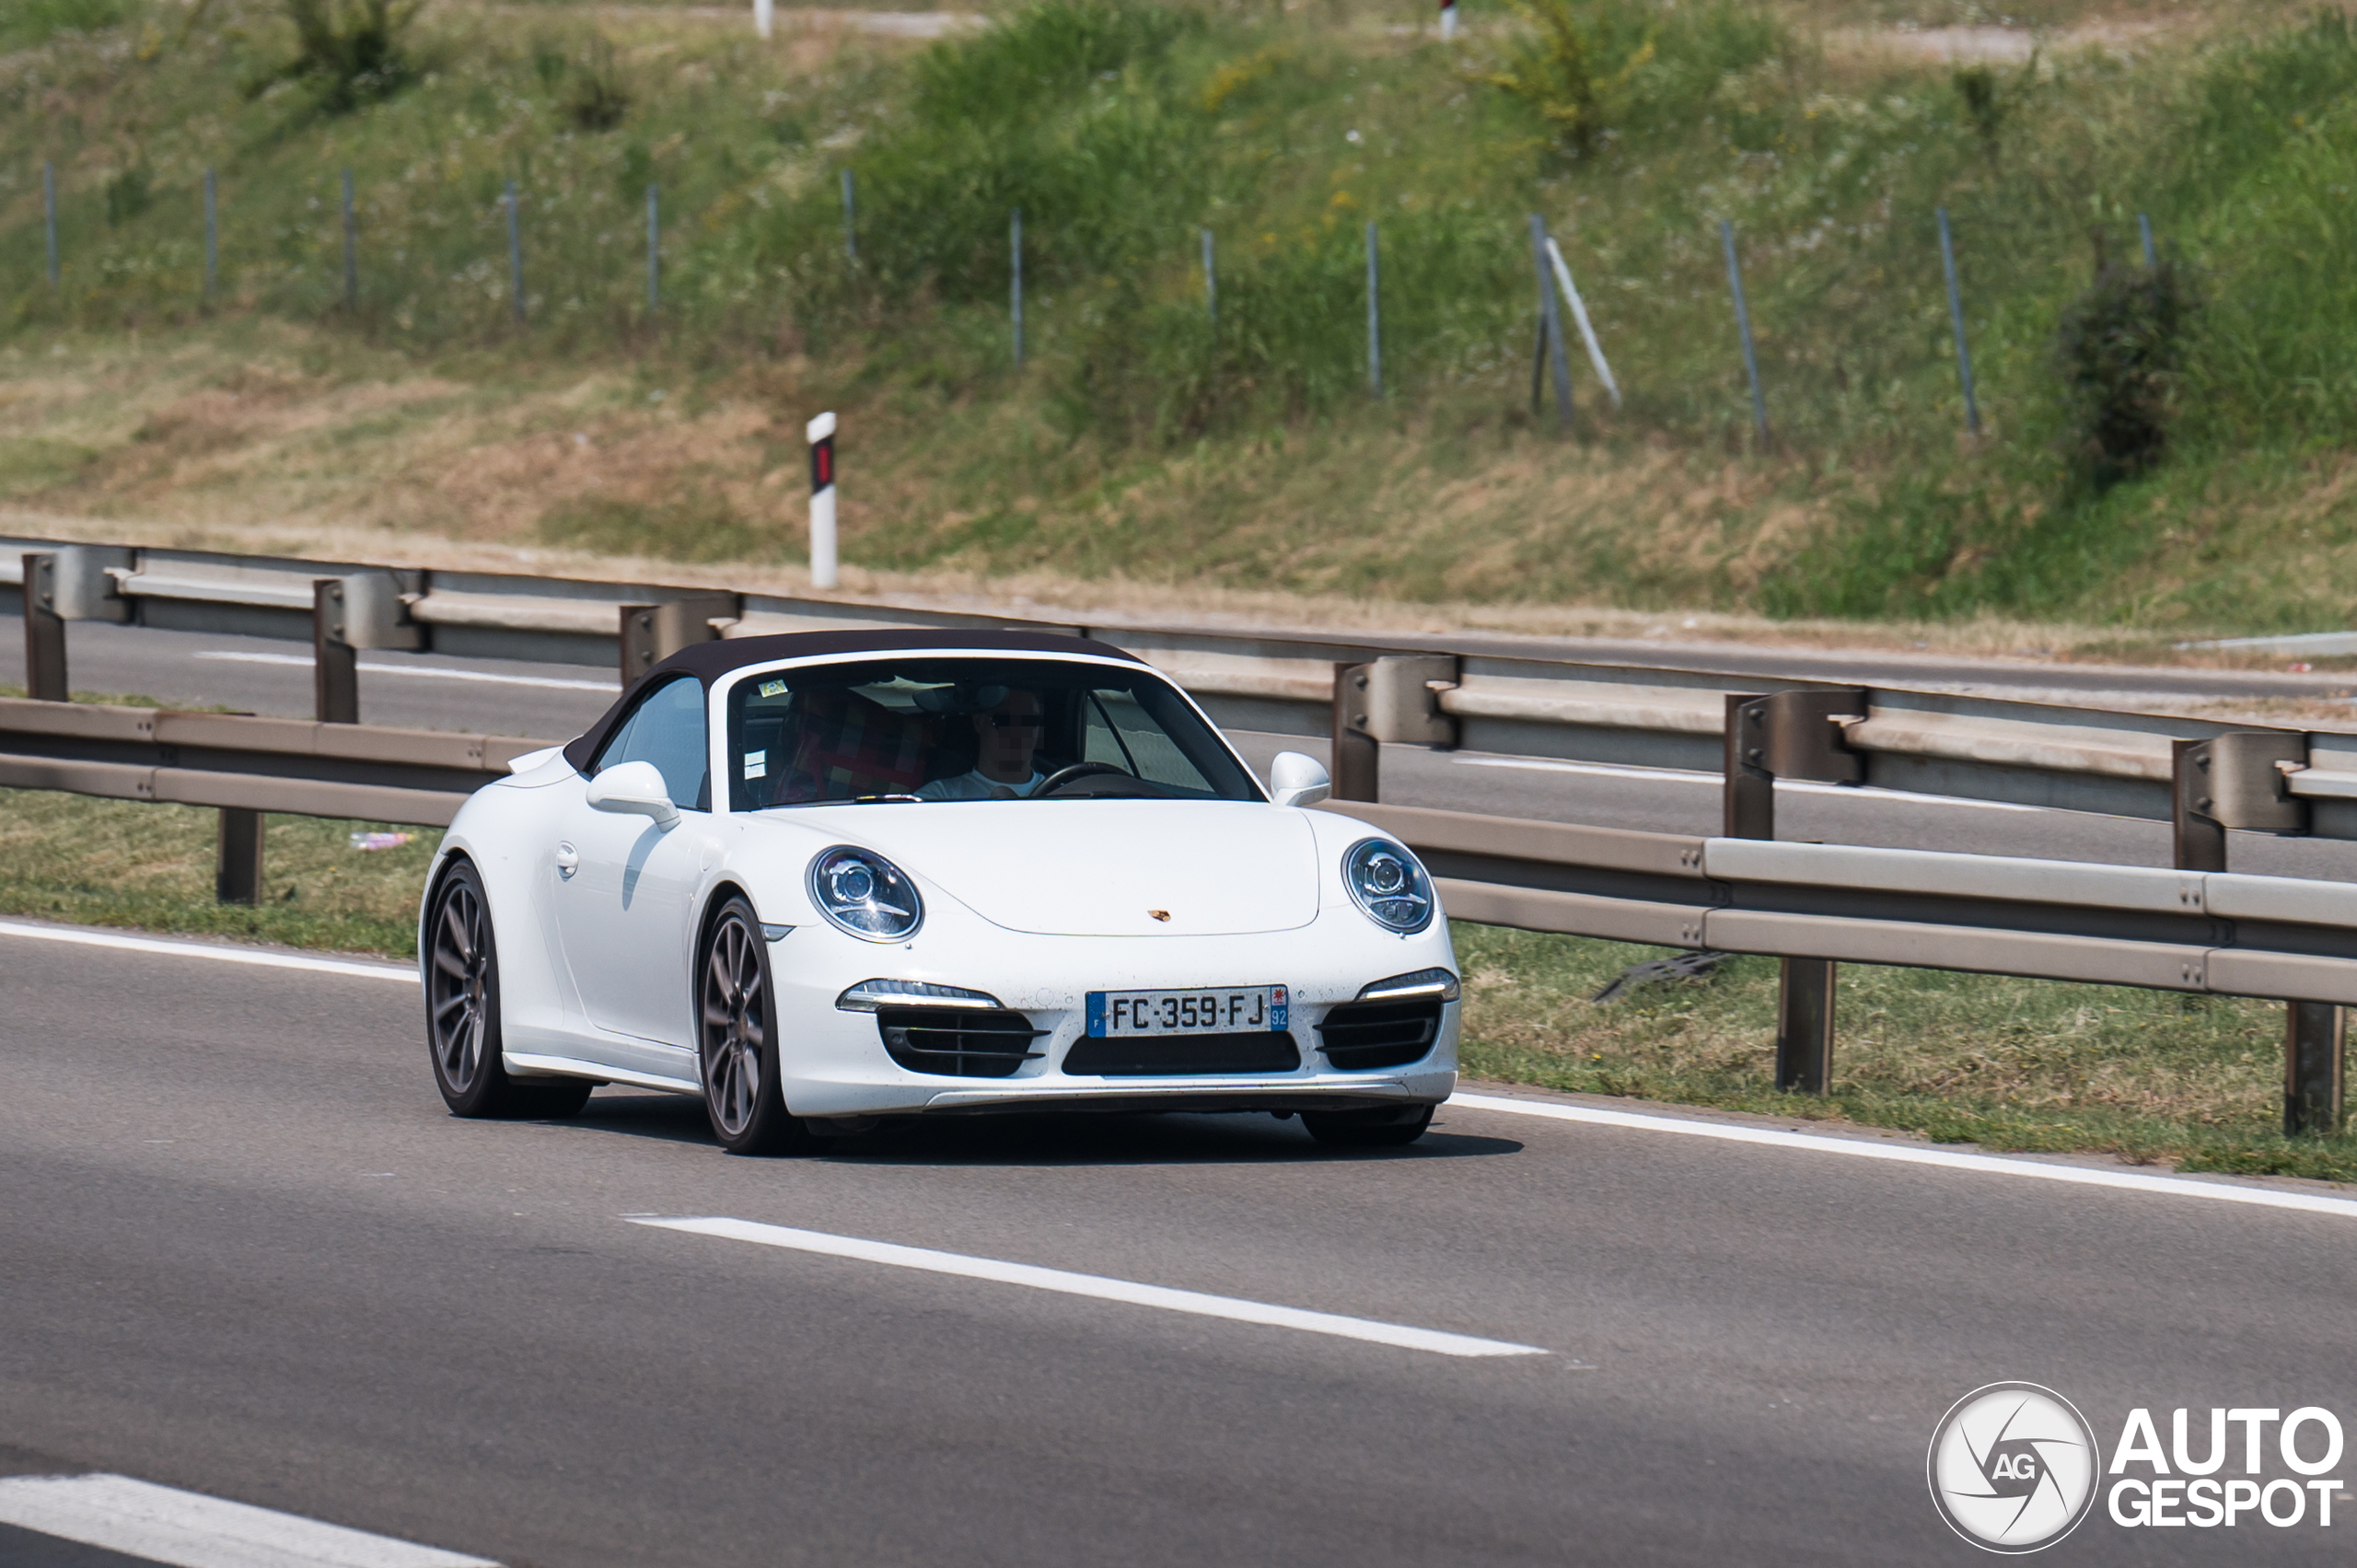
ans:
x=708 y=661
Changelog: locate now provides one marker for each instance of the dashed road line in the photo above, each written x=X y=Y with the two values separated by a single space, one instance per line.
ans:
x=188 y=1530
x=1235 y=1308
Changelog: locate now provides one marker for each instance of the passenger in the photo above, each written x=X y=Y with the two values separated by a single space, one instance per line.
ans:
x=1003 y=764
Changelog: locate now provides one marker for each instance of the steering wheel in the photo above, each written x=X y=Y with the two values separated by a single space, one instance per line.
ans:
x=1063 y=776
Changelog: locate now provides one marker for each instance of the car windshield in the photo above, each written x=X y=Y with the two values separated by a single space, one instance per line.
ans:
x=922 y=728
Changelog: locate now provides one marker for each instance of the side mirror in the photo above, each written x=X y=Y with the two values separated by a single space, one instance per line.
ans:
x=636 y=788
x=1298 y=780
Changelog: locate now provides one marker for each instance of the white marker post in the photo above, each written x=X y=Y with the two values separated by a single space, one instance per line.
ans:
x=1447 y=19
x=821 y=432
x=763 y=11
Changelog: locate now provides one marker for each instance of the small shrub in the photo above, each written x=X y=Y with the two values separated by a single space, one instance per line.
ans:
x=2118 y=351
x=597 y=98
x=1577 y=68
x=129 y=192
x=350 y=48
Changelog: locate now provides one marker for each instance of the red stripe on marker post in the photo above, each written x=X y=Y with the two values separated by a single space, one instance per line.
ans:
x=821 y=432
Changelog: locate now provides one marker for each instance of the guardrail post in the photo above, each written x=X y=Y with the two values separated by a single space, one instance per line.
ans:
x=1791 y=733
x=1749 y=794
x=1357 y=756
x=2199 y=838
x=44 y=631
x=237 y=877
x=2237 y=781
x=653 y=633
x=335 y=663
x=2314 y=1052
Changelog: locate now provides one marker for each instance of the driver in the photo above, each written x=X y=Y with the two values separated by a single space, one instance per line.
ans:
x=1004 y=766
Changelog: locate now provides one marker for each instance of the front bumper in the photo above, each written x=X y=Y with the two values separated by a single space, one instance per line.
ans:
x=836 y=1064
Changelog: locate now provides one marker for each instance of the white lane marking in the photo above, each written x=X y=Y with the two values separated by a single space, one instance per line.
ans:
x=427 y=671
x=139 y=1518
x=1689 y=775
x=1096 y=1285
x=1994 y=1164
x=258 y=957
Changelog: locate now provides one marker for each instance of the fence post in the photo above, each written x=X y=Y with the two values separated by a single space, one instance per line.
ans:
x=1374 y=317
x=821 y=433
x=335 y=663
x=49 y=216
x=211 y=239
x=654 y=249
x=1550 y=333
x=44 y=631
x=850 y=220
x=764 y=16
x=1743 y=321
x=236 y=875
x=1357 y=757
x=2144 y=232
x=1447 y=20
x=1956 y=319
x=1579 y=318
x=351 y=250
x=1014 y=246
x=515 y=254
x=1211 y=280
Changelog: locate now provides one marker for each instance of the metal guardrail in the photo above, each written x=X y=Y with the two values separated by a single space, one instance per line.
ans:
x=2195 y=928
x=2206 y=776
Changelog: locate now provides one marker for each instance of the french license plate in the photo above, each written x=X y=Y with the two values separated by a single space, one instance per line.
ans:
x=1239 y=1009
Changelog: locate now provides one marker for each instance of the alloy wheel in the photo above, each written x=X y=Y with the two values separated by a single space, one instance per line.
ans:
x=735 y=1032
x=458 y=983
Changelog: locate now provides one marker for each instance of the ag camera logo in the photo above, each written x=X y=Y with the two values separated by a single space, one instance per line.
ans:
x=2014 y=1468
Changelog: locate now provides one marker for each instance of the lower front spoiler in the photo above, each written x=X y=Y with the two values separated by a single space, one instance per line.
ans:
x=1358 y=1097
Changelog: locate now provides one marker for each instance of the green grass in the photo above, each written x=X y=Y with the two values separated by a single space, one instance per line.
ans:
x=1147 y=439
x=130 y=864
x=2005 y=1063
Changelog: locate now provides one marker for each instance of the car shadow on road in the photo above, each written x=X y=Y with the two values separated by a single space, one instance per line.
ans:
x=1106 y=1138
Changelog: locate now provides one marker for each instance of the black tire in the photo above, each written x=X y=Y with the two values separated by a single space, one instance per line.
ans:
x=462 y=1032
x=738 y=1041
x=1368 y=1129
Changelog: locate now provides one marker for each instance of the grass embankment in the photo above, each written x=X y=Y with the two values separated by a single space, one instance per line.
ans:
x=1146 y=440
x=2006 y=1063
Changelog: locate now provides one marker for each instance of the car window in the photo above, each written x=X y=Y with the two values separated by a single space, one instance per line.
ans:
x=1117 y=729
x=667 y=729
x=928 y=728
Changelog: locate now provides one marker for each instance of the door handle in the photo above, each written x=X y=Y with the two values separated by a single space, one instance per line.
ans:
x=568 y=860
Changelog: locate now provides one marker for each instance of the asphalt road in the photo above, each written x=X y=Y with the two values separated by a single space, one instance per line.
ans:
x=499 y=697
x=248 y=1254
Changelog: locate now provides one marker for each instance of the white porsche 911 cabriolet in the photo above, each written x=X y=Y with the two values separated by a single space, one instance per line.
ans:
x=830 y=879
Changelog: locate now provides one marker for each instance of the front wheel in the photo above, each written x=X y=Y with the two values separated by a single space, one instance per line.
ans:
x=737 y=1041
x=1368 y=1129
x=462 y=1013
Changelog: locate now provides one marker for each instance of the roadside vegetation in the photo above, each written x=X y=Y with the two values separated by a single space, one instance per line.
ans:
x=2004 y=1063
x=2165 y=444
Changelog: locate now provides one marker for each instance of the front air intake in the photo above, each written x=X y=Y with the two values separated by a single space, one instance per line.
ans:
x=1153 y=1057
x=1360 y=1036
x=982 y=1043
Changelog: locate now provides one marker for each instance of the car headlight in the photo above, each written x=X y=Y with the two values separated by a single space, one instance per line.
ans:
x=1388 y=885
x=865 y=895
